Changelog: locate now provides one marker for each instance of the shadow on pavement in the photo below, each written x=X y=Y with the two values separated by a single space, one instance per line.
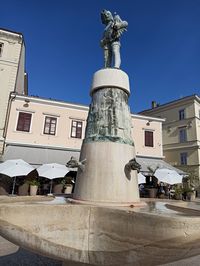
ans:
x=26 y=258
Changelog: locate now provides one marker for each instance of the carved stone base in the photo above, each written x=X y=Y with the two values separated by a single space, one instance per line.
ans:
x=104 y=180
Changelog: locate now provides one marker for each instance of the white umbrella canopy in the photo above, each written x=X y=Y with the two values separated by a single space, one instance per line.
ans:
x=14 y=168
x=52 y=171
x=141 y=179
x=168 y=176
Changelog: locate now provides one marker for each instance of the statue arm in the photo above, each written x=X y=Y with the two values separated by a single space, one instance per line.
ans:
x=107 y=35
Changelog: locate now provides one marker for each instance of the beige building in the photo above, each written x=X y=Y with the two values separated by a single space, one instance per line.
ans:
x=181 y=131
x=44 y=131
x=12 y=74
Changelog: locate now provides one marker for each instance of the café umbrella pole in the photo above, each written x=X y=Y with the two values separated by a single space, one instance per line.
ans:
x=51 y=186
x=13 y=188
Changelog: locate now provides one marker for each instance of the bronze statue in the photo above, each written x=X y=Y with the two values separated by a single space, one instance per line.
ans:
x=111 y=38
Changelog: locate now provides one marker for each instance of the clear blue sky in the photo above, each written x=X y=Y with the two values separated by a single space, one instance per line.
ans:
x=160 y=51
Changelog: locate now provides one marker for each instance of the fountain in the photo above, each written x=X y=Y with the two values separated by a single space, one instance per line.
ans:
x=105 y=223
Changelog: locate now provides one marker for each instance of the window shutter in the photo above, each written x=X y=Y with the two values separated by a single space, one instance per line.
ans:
x=24 y=122
x=148 y=138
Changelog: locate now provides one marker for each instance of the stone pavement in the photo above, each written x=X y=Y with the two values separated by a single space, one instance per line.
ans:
x=12 y=255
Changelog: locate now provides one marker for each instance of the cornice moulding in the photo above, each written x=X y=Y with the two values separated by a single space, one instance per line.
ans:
x=51 y=102
x=11 y=36
x=150 y=118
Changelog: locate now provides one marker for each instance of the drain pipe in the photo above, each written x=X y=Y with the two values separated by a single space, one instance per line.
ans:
x=11 y=98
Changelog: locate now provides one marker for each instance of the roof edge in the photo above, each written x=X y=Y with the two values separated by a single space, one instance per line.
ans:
x=11 y=31
x=190 y=97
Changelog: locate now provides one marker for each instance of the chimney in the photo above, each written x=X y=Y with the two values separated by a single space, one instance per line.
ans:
x=153 y=104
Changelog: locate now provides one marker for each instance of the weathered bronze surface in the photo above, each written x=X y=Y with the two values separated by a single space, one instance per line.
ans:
x=109 y=117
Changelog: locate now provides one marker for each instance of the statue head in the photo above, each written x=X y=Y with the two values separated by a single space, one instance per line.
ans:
x=106 y=16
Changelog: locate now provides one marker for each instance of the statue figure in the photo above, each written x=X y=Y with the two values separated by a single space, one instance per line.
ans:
x=111 y=38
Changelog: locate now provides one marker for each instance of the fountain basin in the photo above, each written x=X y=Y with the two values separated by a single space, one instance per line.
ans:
x=156 y=234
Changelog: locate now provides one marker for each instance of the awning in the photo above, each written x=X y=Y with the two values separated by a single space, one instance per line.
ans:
x=39 y=155
x=155 y=163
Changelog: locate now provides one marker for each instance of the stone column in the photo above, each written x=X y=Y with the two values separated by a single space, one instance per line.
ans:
x=108 y=145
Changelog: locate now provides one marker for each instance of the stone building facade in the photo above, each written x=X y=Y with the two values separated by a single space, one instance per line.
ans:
x=12 y=74
x=181 y=132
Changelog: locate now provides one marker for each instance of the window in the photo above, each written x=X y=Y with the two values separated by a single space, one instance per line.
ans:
x=76 y=129
x=183 y=158
x=148 y=138
x=50 y=125
x=1 y=48
x=182 y=135
x=181 y=114
x=24 y=122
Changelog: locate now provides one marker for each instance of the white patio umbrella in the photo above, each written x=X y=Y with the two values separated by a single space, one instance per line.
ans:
x=14 y=168
x=52 y=171
x=168 y=176
x=141 y=179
